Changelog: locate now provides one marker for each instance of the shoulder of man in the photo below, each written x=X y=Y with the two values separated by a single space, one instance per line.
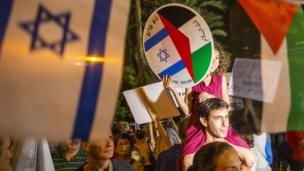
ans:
x=119 y=165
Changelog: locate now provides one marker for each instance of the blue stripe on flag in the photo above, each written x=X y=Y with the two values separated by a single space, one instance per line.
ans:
x=93 y=71
x=5 y=10
x=163 y=33
x=173 y=69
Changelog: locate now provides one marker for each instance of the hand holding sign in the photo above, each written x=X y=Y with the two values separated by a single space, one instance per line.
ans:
x=166 y=82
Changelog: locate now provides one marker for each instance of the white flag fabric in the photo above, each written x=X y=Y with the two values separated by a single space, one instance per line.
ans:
x=60 y=66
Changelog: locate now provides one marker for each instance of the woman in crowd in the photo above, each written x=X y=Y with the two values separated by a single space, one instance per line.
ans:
x=124 y=147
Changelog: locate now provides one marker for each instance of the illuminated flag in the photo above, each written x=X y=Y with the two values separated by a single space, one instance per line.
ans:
x=60 y=66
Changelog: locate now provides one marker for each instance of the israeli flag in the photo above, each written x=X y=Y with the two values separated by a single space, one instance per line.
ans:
x=60 y=66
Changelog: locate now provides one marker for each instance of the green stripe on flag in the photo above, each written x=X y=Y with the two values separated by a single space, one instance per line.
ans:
x=200 y=61
x=295 y=41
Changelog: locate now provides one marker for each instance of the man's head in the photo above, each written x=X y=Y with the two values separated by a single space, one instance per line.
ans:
x=100 y=150
x=214 y=116
x=70 y=145
x=216 y=156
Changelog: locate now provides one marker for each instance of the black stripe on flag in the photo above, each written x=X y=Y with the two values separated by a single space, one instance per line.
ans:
x=176 y=15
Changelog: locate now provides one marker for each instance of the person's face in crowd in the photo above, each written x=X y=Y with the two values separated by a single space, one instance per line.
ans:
x=216 y=61
x=124 y=126
x=101 y=150
x=229 y=161
x=123 y=147
x=217 y=123
x=73 y=145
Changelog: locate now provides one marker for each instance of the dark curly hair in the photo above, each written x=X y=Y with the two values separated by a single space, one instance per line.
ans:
x=205 y=159
x=224 y=62
x=140 y=134
x=127 y=137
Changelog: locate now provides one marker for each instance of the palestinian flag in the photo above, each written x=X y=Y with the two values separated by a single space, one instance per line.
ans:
x=178 y=43
x=281 y=28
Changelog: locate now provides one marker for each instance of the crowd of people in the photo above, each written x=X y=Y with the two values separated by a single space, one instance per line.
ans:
x=204 y=139
x=131 y=148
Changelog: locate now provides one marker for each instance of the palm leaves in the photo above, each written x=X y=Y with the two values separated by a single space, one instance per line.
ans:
x=213 y=12
x=217 y=4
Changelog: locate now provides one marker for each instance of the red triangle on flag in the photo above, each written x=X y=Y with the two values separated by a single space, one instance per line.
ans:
x=271 y=17
x=182 y=44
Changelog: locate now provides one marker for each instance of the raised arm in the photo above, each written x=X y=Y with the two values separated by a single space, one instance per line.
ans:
x=184 y=104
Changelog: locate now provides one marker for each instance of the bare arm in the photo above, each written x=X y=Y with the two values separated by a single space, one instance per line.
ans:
x=225 y=96
x=245 y=154
x=188 y=100
x=187 y=161
x=183 y=103
x=225 y=90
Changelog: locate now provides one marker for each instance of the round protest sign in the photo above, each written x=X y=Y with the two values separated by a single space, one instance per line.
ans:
x=177 y=42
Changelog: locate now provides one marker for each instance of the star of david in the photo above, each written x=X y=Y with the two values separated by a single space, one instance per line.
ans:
x=163 y=55
x=45 y=16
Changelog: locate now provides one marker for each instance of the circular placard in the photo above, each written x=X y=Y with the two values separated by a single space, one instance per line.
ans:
x=177 y=42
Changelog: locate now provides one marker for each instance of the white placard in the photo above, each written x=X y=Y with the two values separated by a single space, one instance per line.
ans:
x=153 y=98
x=249 y=81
